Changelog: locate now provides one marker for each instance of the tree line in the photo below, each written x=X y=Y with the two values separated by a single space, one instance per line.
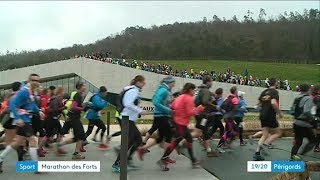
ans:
x=290 y=37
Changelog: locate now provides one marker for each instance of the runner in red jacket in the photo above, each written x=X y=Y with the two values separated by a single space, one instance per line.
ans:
x=184 y=108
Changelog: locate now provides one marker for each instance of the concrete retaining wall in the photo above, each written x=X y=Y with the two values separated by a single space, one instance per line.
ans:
x=115 y=77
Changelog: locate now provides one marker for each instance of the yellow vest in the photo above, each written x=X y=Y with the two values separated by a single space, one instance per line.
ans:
x=69 y=103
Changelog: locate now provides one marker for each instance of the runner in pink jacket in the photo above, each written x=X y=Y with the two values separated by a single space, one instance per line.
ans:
x=183 y=108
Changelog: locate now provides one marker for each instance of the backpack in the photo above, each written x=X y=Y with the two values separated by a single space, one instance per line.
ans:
x=69 y=103
x=227 y=105
x=296 y=110
x=198 y=98
x=119 y=105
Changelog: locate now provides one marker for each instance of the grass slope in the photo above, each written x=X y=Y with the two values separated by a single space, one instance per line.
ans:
x=295 y=73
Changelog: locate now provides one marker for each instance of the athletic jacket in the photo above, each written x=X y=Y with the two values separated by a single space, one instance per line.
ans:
x=184 y=109
x=97 y=105
x=161 y=101
x=130 y=101
x=242 y=108
x=22 y=104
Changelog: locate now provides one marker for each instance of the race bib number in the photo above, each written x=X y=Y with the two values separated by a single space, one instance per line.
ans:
x=203 y=122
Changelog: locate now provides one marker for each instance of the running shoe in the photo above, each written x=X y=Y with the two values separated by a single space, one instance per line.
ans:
x=169 y=161
x=140 y=153
x=162 y=165
x=258 y=157
x=103 y=146
x=250 y=139
x=78 y=156
x=243 y=143
x=196 y=164
x=317 y=149
x=220 y=150
x=295 y=158
x=212 y=154
x=116 y=168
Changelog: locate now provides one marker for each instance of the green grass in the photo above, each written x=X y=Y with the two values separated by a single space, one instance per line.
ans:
x=295 y=73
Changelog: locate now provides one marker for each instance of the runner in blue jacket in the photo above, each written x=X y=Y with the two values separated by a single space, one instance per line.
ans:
x=97 y=104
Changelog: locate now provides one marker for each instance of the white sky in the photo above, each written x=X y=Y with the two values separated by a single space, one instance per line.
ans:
x=44 y=24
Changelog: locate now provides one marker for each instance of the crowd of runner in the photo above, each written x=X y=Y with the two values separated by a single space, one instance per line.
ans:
x=228 y=76
x=31 y=118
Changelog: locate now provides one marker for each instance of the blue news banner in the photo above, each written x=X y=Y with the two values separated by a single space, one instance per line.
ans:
x=58 y=166
x=275 y=166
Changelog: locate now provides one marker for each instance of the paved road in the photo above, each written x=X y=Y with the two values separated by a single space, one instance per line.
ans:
x=149 y=170
x=233 y=164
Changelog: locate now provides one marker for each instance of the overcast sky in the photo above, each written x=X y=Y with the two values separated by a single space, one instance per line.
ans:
x=42 y=25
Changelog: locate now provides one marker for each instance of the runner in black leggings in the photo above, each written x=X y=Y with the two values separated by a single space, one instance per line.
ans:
x=98 y=103
x=130 y=102
x=162 y=117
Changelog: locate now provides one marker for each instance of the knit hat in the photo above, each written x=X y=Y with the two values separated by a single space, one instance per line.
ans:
x=241 y=93
x=169 y=79
x=102 y=89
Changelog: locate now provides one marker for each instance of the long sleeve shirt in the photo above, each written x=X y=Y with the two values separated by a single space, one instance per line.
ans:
x=22 y=104
x=161 y=101
x=184 y=108
x=130 y=101
x=97 y=105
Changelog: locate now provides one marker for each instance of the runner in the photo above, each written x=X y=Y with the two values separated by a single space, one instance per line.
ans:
x=98 y=103
x=130 y=102
x=316 y=112
x=21 y=105
x=10 y=129
x=239 y=116
x=184 y=108
x=76 y=124
x=205 y=120
x=230 y=107
x=162 y=114
x=269 y=102
x=45 y=99
x=302 y=125
x=56 y=106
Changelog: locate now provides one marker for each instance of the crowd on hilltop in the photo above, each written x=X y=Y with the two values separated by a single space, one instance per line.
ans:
x=226 y=77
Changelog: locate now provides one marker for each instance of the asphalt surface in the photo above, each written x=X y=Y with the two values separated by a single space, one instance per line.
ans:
x=233 y=163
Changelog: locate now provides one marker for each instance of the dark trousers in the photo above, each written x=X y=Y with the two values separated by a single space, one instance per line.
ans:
x=299 y=134
x=99 y=123
x=182 y=133
x=134 y=140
